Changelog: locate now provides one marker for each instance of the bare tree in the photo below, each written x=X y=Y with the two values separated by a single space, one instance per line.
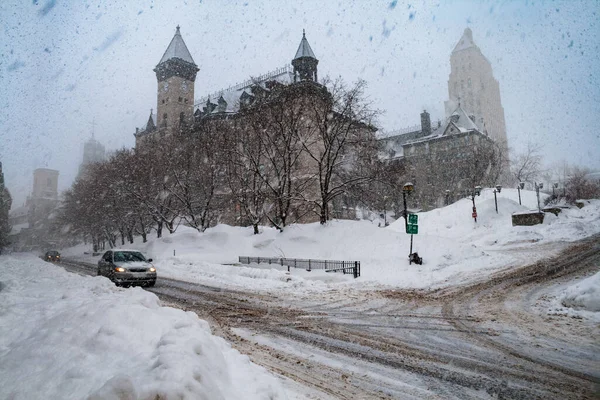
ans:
x=339 y=140
x=527 y=165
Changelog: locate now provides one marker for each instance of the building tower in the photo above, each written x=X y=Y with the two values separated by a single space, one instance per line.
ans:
x=305 y=62
x=93 y=152
x=175 y=73
x=472 y=85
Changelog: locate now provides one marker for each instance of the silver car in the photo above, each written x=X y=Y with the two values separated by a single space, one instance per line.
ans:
x=127 y=268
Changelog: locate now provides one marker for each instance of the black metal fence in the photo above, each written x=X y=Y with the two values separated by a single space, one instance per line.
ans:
x=345 y=267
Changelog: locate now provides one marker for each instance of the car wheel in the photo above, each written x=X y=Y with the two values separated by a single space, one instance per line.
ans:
x=150 y=284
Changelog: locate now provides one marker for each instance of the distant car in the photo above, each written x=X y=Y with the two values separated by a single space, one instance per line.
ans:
x=127 y=268
x=52 y=256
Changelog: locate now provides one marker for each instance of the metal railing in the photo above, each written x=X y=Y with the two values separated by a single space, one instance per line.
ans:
x=345 y=267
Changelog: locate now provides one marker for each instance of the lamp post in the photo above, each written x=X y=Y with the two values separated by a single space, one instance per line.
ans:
x=537 y=192
x=472 y=193
x=520 y=186
x=407 y=189
x=497 y=190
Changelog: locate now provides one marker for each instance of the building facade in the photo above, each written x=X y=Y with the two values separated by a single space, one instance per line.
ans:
x=444 y=160
x=472 y=86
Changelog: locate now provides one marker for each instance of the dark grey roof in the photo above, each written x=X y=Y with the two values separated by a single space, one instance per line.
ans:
x=177 y=49
x=304 y=49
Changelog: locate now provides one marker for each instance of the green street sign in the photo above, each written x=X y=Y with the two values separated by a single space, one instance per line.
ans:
x=413 y=219
x=412 y=229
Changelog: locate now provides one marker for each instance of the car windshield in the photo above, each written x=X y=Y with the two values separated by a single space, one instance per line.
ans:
x=128 y=256
x=52 y=253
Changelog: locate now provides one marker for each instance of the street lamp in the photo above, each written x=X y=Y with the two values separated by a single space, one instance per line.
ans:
x=406 y=189
x=473 y=193
x=537 y=191
x=497 y=190
x=520 y=186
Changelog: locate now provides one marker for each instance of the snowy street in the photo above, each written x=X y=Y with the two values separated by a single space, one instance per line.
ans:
x=495 y=311
x=476 y=341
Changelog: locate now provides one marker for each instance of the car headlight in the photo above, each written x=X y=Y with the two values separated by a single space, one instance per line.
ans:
x=152 y=269
x=120 y=269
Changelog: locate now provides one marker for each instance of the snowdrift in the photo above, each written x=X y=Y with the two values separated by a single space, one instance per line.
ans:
x=583 y=295
x=67 y=336
x=454 y=248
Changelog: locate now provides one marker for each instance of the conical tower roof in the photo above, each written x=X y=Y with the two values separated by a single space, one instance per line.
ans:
x=177 y=49
x=304 y=49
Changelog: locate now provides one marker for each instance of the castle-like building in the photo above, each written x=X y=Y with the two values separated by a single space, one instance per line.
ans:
x=176 y=74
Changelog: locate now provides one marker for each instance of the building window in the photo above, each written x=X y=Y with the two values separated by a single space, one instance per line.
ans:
x=180 y=99
x=185 y=100
x=49 y=182
x=163 y=101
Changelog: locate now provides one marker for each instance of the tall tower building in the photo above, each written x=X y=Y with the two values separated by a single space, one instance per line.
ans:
x=305 y=62
x=176 y=73
x=472 y=84
x=93 y=152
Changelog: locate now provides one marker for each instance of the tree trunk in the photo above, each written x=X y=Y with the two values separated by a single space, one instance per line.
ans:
x=255 y=229
x=130 y=235
x=159 y=229
x=323 y=217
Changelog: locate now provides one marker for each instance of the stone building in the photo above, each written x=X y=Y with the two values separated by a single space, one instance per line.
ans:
x=444 y=160
x=31 y=222
x=175 y=74
x=236 y=105
x=472 y=85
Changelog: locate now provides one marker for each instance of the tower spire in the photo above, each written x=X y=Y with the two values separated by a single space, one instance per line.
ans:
x=305 y=62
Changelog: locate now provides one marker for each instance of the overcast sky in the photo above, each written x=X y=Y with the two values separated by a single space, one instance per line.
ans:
x=64 y=64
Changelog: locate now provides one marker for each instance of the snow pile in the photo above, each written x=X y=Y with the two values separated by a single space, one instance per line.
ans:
x=66 y=336
x=454 y=248
x=584 y=295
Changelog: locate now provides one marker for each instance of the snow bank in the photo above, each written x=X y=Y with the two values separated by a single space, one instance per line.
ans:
x=584 y=295
x=454 y=248
x=67 y=336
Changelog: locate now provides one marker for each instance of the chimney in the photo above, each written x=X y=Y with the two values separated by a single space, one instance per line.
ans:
x=425 y=124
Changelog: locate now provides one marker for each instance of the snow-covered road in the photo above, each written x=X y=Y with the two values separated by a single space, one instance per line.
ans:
x=476 y=341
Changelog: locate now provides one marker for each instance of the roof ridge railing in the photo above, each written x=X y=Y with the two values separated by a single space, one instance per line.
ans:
x=401 y=131
x=247 y=83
